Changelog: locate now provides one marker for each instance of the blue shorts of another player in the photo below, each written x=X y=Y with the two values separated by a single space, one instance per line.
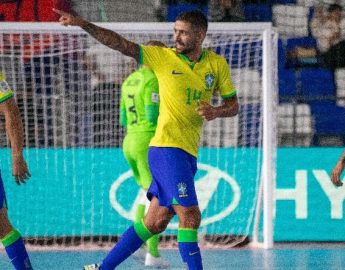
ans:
x=173 y=172
x=2 y=194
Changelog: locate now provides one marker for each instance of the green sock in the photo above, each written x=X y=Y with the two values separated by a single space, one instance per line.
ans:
x=152 y=245
x=140 y=212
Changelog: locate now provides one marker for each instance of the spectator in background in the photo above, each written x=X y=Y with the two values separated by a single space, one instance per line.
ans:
x=329 y=31
x=225 y=11
x=328 y=28
x=31 y=10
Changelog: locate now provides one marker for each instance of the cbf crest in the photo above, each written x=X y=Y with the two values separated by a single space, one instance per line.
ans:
x=182 y=189
x=4 y=87
x=209 y=80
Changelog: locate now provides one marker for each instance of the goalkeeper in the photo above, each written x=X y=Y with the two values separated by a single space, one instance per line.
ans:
x=138 y=114
x=10 y=237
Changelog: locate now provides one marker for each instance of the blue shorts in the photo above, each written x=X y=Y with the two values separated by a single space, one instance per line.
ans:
x=173 y=172
x=3 y=202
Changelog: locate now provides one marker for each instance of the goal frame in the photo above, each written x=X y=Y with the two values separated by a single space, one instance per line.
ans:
x=268 y=170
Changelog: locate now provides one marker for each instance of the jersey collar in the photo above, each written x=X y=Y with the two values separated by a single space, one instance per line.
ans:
x=192 y=63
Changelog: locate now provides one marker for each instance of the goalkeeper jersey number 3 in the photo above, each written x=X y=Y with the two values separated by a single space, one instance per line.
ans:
x=5 y=90
x=182 y=85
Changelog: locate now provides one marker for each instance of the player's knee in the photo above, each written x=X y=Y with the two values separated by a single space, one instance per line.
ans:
x=190 y=218
x=6 y=226
x=161 y=224
x=158 y=225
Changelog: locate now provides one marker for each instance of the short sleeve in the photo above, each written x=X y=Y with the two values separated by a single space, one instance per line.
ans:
x=225 y=85
x=5 y=90
x=151 y=56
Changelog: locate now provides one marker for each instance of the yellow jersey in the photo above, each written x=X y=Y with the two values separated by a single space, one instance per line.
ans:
x=5 y=90
x=182 y=85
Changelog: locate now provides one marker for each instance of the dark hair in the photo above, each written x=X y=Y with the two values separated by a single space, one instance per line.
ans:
x=335 y=7
x=196 y=18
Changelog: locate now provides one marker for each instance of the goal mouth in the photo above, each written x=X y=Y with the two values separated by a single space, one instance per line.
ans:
x=80 y=182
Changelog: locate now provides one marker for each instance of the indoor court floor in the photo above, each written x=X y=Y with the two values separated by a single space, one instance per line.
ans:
x=282 y=257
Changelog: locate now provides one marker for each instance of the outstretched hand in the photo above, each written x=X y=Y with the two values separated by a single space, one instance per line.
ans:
x=67 y=19
x=336 y=173
x=20 y=169
x=206 y=111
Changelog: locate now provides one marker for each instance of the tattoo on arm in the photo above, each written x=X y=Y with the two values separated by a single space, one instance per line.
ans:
x=229 y=108
x=113 y=40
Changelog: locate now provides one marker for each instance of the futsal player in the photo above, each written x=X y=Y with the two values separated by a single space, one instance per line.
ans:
x=9 y=236
x=187 y=76
x=138 y=114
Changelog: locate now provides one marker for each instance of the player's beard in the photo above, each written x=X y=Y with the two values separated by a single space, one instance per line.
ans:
x=184 y=49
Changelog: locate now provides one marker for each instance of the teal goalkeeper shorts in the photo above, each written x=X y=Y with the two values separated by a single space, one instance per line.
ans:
x=135 y=149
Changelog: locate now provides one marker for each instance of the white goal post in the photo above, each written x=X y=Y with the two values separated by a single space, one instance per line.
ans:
x=67 y=86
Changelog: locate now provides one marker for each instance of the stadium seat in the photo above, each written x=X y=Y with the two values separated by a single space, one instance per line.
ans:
x=257 y=12
x=291 y=20
x=174 y=10
x=339 y=76
x=32 y=11
x=329 y=118
x=287 y=85
x=304 y=42
x=285 y=2
x=281 y=54
x=249 y=119
x=295 y=124
x=317 y=84
x=249 y=88
x=220 y=132
x=8 y=11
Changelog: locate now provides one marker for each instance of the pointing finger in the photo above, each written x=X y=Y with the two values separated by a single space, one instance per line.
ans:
x=60 y=12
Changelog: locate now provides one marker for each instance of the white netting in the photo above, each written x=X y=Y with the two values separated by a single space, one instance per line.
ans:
x=68 y=86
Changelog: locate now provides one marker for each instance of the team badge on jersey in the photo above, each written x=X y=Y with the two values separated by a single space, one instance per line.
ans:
x=209 y=80
x=155 y=97
x=182 y=190
x=4 y=87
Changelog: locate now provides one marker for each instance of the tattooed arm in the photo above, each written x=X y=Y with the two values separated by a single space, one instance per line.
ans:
x=338 y=169
x=209 y=112
x=107 y=37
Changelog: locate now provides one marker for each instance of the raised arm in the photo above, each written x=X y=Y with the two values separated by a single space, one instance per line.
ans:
x=105 y=36
x=337 y=170
x=14 y=130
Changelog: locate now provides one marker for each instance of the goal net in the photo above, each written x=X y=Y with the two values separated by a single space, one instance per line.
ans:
x=67 y=86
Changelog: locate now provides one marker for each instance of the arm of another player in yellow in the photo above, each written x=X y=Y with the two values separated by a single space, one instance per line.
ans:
x=14 y=130
x=208 y=112
x=338 y=169
x=105 y=36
